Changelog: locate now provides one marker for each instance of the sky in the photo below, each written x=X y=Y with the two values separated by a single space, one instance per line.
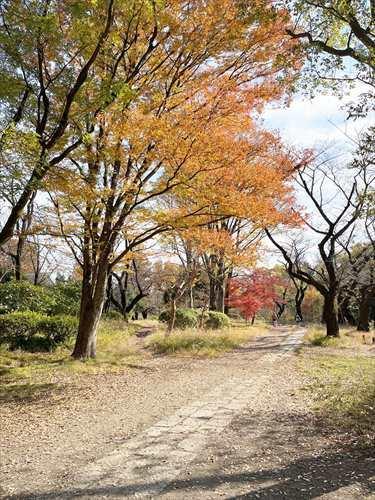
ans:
x=317 y=122
x=308 y=122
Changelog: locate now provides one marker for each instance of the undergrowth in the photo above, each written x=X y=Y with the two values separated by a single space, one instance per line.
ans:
x=343 y=391
x=200 y=342
x=24 y=375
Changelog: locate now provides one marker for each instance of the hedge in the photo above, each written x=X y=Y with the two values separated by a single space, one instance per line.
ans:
x=33 y=331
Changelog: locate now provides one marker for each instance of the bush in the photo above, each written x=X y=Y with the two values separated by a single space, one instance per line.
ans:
x=215 y=320
x=185 y=318
x=23 y=296
x=66 y=298
x=113 y=315
x=60 y=299
x=34 y=331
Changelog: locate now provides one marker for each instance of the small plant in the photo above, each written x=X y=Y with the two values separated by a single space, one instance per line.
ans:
x=215 y=320
x=185 y=318
x=319 y=340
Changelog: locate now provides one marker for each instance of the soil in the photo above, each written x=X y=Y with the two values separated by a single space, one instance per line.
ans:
x=273 y=448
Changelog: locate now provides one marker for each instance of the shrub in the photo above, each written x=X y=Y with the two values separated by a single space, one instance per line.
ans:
x=185 y=318
x=66 y=298
x=164 y=316
x=113 y=315
x=34 y=331
x=23 y=296
x=215 y=320
x=58 y=329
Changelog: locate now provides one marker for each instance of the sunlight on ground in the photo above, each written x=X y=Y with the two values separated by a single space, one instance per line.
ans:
x=25 y=375
x=349 y=337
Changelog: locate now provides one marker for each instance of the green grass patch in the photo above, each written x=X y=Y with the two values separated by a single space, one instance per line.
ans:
x=343 y=391
x=200 y=342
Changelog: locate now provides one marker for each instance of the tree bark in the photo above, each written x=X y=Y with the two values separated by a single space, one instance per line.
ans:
x=364 y=312
x=92 y=302
x=330 y=316
x=191 y=296
x=298 y=301
x=212 y=294
x=172 y=321
x=220 y=296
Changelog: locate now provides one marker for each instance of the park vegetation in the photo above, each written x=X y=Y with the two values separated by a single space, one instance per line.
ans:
x=139 y=181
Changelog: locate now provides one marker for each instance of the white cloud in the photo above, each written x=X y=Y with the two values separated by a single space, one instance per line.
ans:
x=323 y=119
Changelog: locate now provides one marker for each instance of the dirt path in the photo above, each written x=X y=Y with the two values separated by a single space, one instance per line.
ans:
x=231 y=427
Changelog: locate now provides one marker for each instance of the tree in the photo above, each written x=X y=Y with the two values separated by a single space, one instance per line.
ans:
x=300 y=291
x=171 y=137
x=321 y=184
x=255 y=292
x=127 y=287
x=47 y=53
x=333 y=31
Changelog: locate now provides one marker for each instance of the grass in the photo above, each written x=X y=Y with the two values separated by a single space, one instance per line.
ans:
x=349 y=337
x=201 y=342
x=343 y=391
x=31 y=375
x=28 y=375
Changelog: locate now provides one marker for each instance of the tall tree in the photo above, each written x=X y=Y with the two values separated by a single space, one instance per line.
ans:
x=47 y=52
x=187 y=123
x=320 y=183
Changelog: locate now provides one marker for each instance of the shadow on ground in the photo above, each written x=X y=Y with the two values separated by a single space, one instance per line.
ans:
x=314 y=474
x=306 y=478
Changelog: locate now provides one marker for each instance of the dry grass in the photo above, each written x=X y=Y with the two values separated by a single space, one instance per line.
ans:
x=205 y=343
x=349 y=337
x=343 y=391
x=341 y=379
x=24 y=375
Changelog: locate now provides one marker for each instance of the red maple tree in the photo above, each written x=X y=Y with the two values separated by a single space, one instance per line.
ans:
x=257 y=291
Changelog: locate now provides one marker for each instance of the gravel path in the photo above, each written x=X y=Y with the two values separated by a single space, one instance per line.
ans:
x=182 y=429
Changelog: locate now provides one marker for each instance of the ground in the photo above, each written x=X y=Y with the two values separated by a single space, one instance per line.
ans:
x=239 y=425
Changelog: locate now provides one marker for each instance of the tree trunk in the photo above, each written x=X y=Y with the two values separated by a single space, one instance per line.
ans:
x=345 y=314
x=191 y=296
x=220 y=296
x=109 y=292
x=92 y=301
x=364 y=312
x=298 y=300
x=212 y=297
x=299 y=315
x=330 y=316
x=173 y=318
